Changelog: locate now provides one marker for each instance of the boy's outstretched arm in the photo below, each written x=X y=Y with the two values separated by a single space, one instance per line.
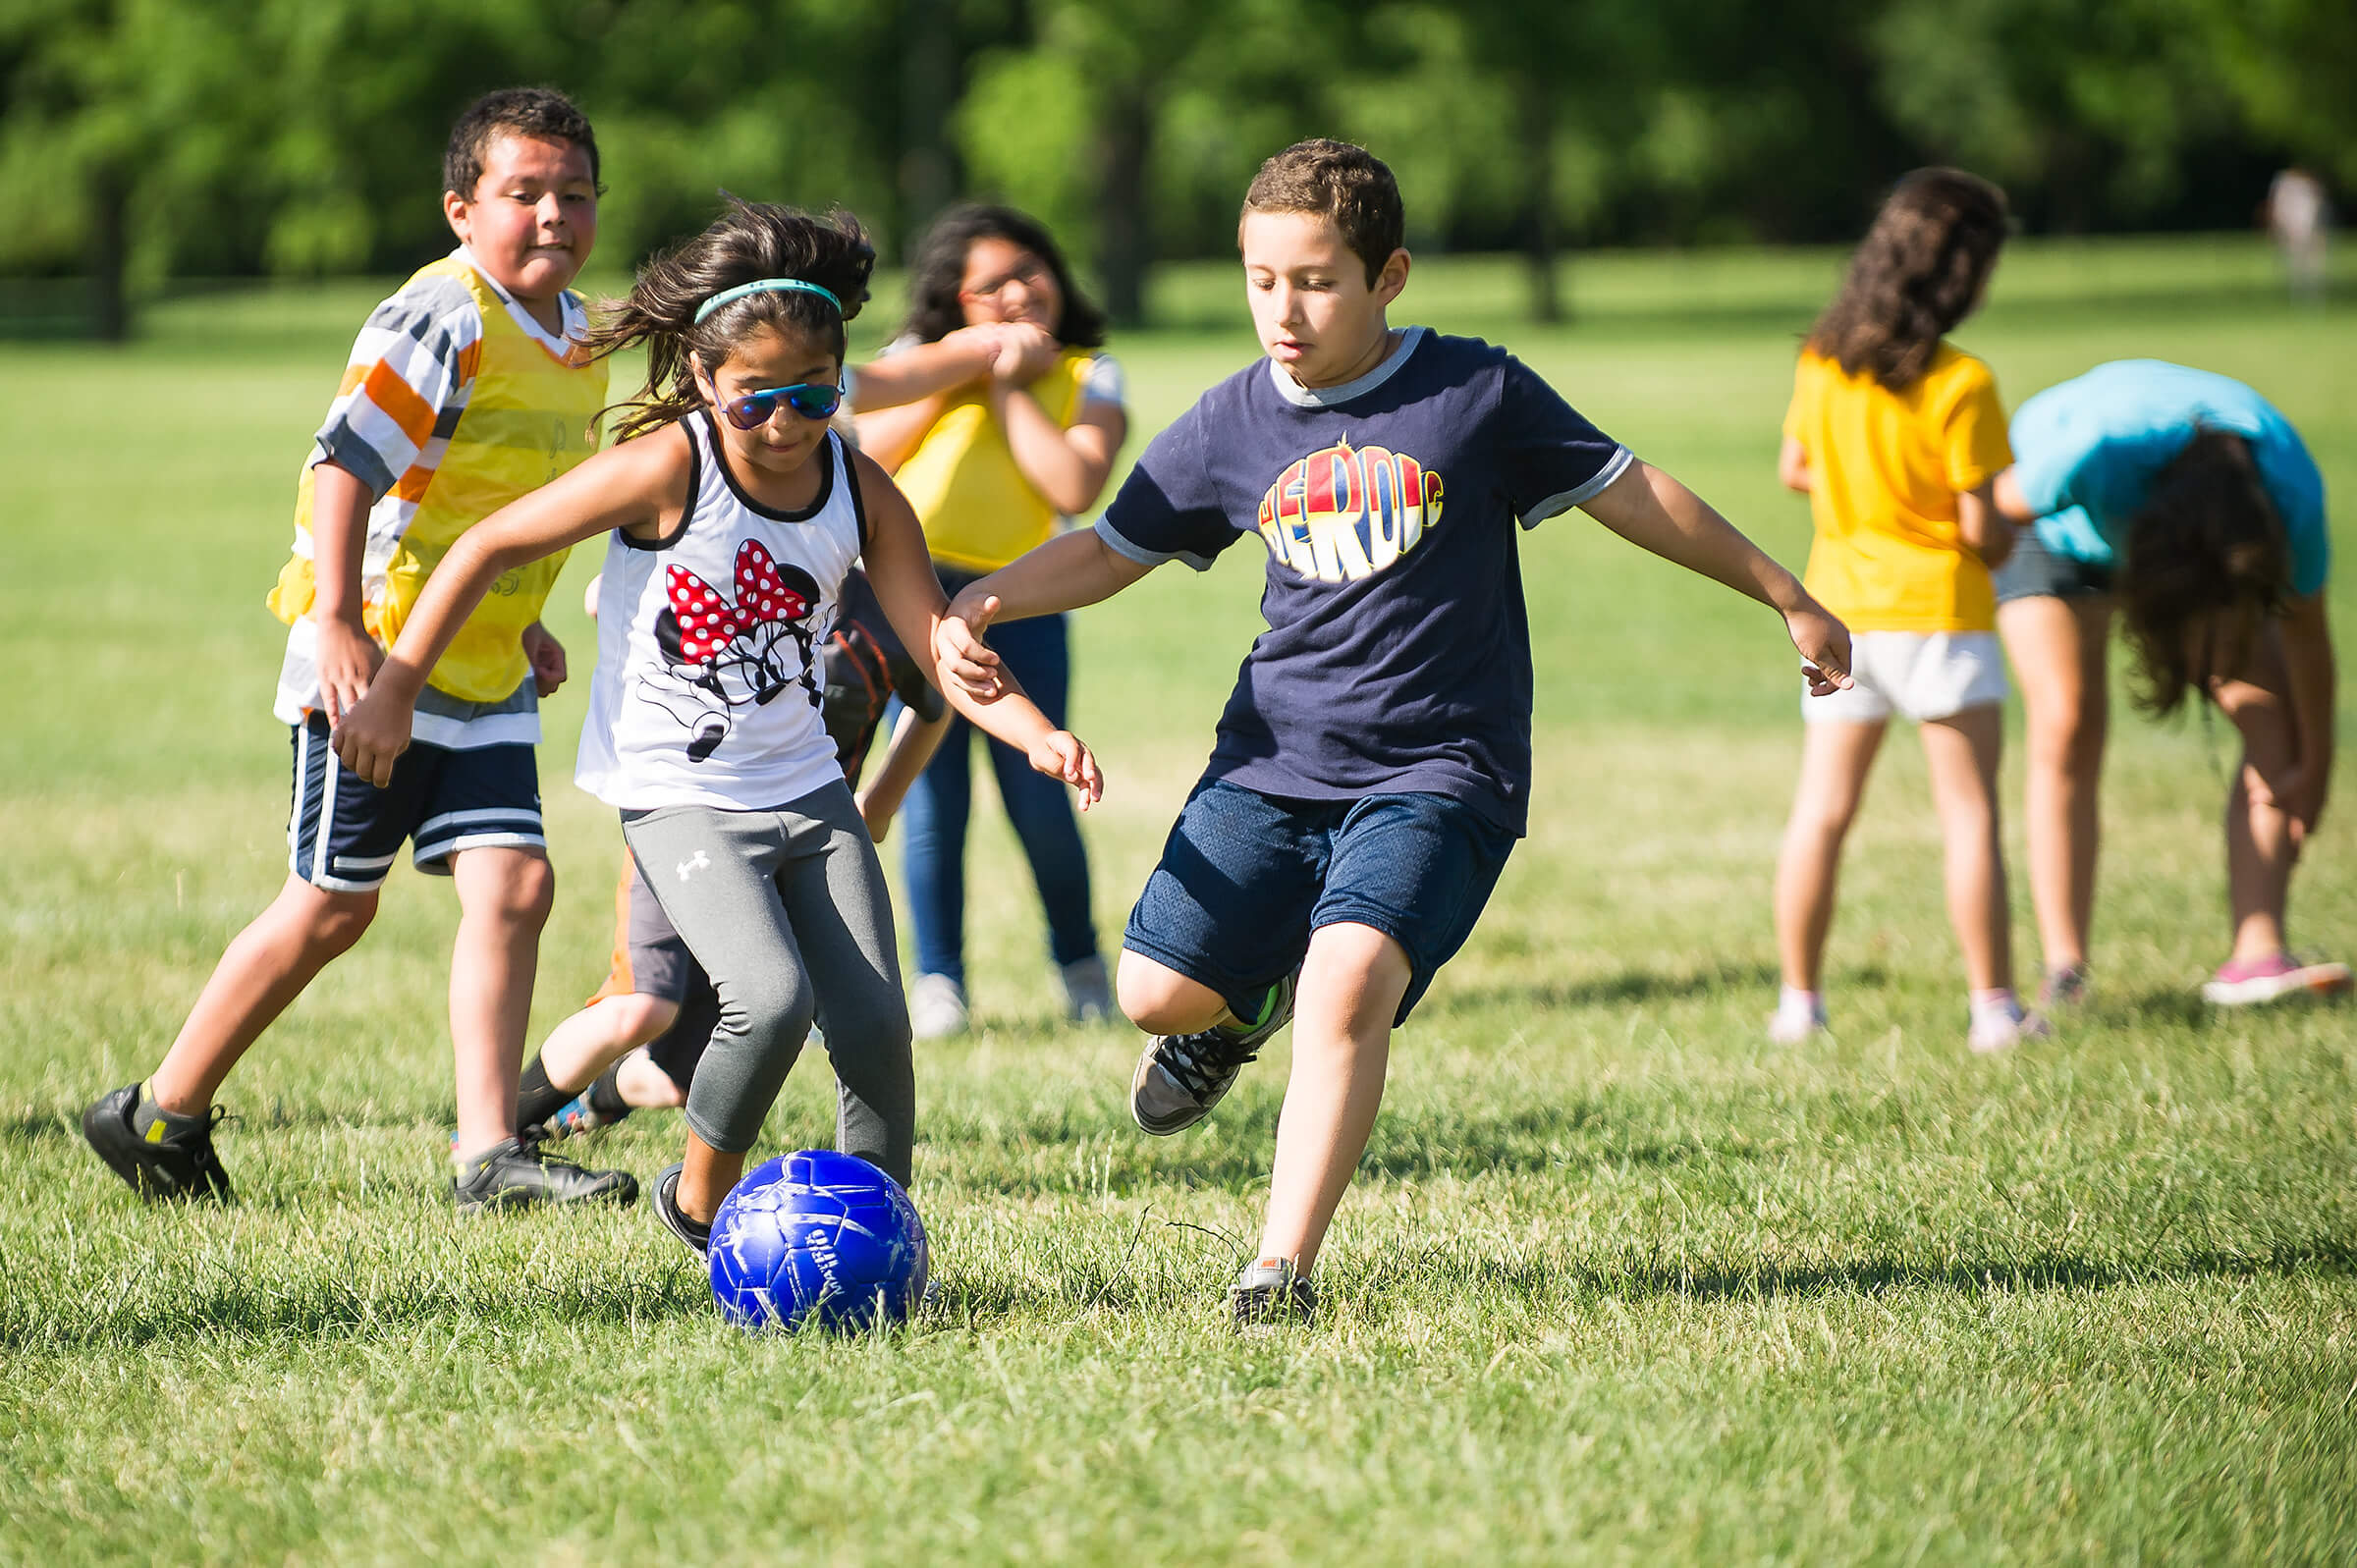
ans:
x=1654 y=511
x=983 y=693
x=1069 y=571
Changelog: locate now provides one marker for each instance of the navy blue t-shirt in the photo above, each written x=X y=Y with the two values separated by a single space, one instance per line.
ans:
x=1398 y=654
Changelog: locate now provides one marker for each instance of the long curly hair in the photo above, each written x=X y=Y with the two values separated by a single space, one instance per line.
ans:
x=1918 y=272
x=934 y=308
x=750 y=241
x=2207 y=562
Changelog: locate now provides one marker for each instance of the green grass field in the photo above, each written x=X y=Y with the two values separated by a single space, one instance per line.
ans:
x=1618 y=1282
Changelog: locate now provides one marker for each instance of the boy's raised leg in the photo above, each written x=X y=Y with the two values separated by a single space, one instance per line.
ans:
x=1351 y=985
x=1200 y=1043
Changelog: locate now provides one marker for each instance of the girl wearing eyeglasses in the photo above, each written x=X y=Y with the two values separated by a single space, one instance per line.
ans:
x=734 y=514
x=994 y=466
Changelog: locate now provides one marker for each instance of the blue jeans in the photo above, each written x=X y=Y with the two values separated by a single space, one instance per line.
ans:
x=1039 y=807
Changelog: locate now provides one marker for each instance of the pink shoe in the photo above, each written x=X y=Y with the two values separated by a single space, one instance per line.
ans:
x=2272 y=978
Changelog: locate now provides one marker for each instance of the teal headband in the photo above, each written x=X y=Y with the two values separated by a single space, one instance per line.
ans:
x=766 y=285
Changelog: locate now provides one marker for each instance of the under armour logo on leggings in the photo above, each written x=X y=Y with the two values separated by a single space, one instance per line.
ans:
x=699 y=861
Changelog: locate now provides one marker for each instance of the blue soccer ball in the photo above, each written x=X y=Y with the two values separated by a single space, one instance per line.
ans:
x=818 y=1237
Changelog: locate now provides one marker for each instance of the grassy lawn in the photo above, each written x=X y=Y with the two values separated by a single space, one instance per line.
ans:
x=1619 y=1279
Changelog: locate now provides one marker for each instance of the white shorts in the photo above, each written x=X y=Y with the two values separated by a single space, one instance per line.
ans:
x=1918 y=675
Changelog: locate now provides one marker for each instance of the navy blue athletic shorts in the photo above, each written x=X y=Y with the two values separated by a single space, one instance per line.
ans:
x=1245 y=878
x=344 y=833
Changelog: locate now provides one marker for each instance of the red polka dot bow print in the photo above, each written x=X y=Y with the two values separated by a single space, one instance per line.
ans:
x=709 y=623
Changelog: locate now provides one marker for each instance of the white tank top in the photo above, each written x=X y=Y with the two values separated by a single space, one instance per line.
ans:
x=708 y=679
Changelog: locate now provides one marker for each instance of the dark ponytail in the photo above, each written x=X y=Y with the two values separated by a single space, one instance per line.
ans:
x=750 y=241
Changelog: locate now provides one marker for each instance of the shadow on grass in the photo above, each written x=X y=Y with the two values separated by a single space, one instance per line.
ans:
x=1596 y=990
x=1647 y=1276
x=224 y=1311
x=48 y=1127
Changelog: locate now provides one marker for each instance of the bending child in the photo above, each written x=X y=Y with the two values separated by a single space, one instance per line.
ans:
x=2189 y=503
x=466 y=390
x=1372 y=771
x=734 y=518
x=1896 y=438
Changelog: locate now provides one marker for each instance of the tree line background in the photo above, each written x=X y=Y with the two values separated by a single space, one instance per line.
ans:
x=146 y=140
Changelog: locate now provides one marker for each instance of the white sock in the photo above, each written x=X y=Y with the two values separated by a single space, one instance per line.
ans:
x=1794 y=1002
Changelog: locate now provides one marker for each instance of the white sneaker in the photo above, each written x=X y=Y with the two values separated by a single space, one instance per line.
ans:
x=1793 y=1023
x=1995 y=1032
x=936 y=1007
x=1087 y=990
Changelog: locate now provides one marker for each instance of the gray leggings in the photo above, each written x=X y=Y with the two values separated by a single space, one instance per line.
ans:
x=788 y=913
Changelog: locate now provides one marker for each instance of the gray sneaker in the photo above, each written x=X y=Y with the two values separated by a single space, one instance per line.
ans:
x=1270 y=1295
x=1087 y=990
x=1181 y=1077
x=936 y=1007
x=514 y=1175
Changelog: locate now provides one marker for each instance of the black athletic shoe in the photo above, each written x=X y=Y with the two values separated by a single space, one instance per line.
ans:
x=694 y=1232
x=514 y=1175
x=166 y=1164
x=1270 y=1295
x=1181 y=1077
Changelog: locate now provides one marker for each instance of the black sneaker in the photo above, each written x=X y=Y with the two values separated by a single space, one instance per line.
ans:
x=1181 y=1077
x=1270 y=1295
x=514 y=1175
x=694 y=1232
x=169 y=1162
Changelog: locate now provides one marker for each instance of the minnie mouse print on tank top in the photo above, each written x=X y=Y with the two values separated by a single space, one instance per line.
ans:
x=708 y=681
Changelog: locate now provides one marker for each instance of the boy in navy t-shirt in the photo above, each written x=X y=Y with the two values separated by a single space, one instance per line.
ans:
x=1372 y=770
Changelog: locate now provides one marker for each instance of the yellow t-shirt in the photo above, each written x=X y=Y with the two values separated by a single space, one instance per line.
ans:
x=1885 y=469
x=977 y=509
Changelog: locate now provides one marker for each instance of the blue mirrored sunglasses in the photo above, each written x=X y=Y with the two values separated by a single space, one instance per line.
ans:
x=809 y=399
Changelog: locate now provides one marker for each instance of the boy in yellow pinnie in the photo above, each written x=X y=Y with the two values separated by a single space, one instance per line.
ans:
x=465 y=391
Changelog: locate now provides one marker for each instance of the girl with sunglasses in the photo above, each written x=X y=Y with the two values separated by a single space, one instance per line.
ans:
x=994 y=463
x=734 y=514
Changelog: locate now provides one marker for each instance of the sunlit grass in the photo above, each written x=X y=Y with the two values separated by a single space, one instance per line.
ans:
x=1618 y=1280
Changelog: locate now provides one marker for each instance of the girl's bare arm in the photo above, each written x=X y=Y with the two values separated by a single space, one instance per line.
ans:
x=635 y=486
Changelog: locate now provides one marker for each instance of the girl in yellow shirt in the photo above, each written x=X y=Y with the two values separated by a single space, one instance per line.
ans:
x=992 y=466
x=1897 y=439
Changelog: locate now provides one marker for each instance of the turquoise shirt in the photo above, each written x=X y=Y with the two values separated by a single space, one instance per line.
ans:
x=2087 y=450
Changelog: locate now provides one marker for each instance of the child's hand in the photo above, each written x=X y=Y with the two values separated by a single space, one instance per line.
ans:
x=1823 y=644
x=877 y=812
x=348 y=659
x=983 y=340
x=373 y=733
x=1060 y=754
x=547 y=655
x=958 y=648
x=1025 y=354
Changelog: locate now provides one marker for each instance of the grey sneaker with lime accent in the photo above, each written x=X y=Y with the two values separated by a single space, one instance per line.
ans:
x=170 y=1157
x=1181 y=1077
x=1271 y=1295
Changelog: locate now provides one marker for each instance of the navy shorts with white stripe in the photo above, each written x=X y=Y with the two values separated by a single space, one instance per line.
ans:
x=344 y=832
